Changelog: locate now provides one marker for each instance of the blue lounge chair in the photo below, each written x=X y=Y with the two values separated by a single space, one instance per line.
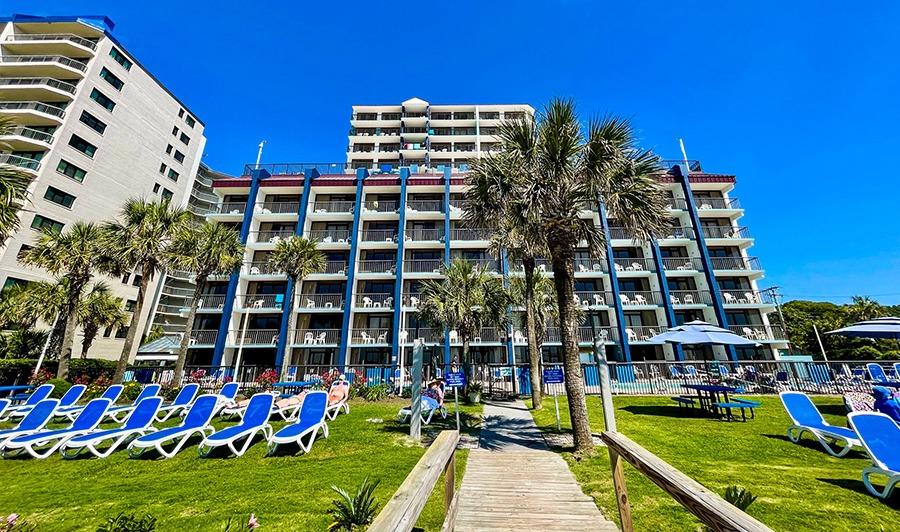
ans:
x=195 y=422
x=880 y=437
x=68 y=399
x=806 y=418
x=674 y=372
x=181 y=403
x=139 y=423
x=876 y=372
x=4 y=404
x=691 y=371
x=121 y=413
x=227 y=395
x=311 y=420
x=39 y=394
x=43 y=443
x=112 y=393
x=255 y=420
x=39 y=416
x=897 y=370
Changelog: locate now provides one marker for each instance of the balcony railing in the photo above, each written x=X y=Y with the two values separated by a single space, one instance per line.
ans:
x=594 y=298
x=725 y=231
x=425 y=235
x=425 y=205
x=590 y=265
x=379 y=235
x=204 y=337
x=690 y=297
x=33 y=106
x=271 y=236
x=77 y=65
x=53 y=37
x=678 y=204
x=378 y=266
x=633 y=264
x=277 y=207
x=704 y=204
x=760 y=332
x=748 y=297
x=232 y=207
x=329 y=236
x=335 y=267
x=29 y=82
x=470 y=234
x=333 y=207
x=21 y=162
x=261 y=268
x=321 y=301
x=411 y=299
x=643 y=333
x=256 y=337
x=486 y=264
x=682 y=264
x=679 y=233
x=375 y=301
x=735 y=263
x=427 y=334
x=261 y=301
x=457 y=204
x=211 y=302
x=317 y=336
x=585 y=335
x=380 y=206
x=423 y=265
x=629 y=298
x=370 y=336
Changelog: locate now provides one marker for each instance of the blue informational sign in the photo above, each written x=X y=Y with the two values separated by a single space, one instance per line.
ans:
x=553 y=376
x=455 y=379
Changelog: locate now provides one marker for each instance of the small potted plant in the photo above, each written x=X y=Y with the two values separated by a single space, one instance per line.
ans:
x=474 y=392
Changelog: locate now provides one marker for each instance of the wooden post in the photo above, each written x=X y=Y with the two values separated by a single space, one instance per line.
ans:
x=449 y=482
x=609 y=419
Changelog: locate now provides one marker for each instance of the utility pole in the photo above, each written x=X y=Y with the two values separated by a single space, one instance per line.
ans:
x=775 y=295
x=259 y=153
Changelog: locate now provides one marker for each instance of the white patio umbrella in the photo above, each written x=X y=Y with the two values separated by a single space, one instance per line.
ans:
x=700 y=333
x=888 y=327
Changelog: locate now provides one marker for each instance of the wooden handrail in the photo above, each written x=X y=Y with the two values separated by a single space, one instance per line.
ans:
x=713 y=510
x=402 y=511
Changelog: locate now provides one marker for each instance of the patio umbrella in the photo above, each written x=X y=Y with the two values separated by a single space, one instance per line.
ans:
x=700 y=333
x=877 y=328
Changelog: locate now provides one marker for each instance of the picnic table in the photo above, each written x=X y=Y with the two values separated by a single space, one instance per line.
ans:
x=18 y=388
x=708 y=395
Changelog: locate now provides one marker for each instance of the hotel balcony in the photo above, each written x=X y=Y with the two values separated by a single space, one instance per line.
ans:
x=628 y=265
x=316 y=337
x=760 y=333
x=726 y=232
x=594 y=298
x=380 y=206
x=718 y=204
x=48 y=44
x=262 y=269
x=423 y=266
x=425 y=235
x=254 y=337
x=171 y=310
x=211 y=303
x=261 y=302
x=230 y=211
x=204 y=338
x=591 y=266
x=481 y=236
x=332 y=268
x=374 y=302
x=24 y=138
x=682 y=264
x=330 y=236
x=677 y=204
x=429 y=335
x=35 y=89
x=50 y=66
x=388 y=267
x=749 y=298
x=320 y=302
x=33 y=113
x=269 y=238
x=487 y=264
x=640 y=299
x=688 y=298
x=380 y=235
x=679 y=233
x=425 y=206
x=735 y=264
x=639 y=334
x=333 y=207
x=370 y=337
x=31 y=165
x=585 y=335
x=278 y=209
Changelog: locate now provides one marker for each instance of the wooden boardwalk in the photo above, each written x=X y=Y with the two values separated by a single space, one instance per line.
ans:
x=513 y=482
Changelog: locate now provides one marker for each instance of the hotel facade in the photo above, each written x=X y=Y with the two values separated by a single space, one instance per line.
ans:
x=94 y=128
x=391 y=217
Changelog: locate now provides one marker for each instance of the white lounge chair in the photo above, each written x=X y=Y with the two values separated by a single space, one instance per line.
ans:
x=34 y=421
x=43 y=443
x=181 y=403
x=195 y=422
x=879 y=435
x=310 y=421
x=255 y=421
x=139 y=422
x=806 y=418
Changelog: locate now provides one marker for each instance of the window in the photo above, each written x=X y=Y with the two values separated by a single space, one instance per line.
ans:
x=175 y=131
x=169 y=149
x=68 y=169
x=83 y=146
x=111 y=79
x=180 y=113
x=107 y=332
x=162 y=168
x=101 y=98
x=129 y=305
x=179 y=156
x=42 y=223
x=136 y=281
x=120 y=58
x=189 y=120
x=167 y=194
x=122 y=332
x=185 y=139
x=155 y=188
x=59 y=197
x=126 y=277
x=173 y=175
x=93 y=122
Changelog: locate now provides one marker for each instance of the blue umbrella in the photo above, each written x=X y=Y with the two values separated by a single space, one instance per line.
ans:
x=877 y=328
x=700 y=333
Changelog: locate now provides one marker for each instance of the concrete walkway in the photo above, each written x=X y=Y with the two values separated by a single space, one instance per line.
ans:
x=513 y=482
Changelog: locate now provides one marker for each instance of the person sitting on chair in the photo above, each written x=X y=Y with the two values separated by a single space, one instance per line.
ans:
x=339 y=390
x=886 y=403
x=433 y=397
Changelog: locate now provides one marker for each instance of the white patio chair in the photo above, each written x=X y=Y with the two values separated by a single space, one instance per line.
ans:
x=388 y=302
x=310 y=303
x=321 y=338
x=729 y=298
x=308 y=338
x=749 y=333
x=581 y=268
x=413 y=301
x=597 y=268
x=367 y=302
x=639 y=299
x=258 y=303
x=199 y=303
x=674 y=300
x=632 y=336
x=598 y=299
x=366 y=338
x=518 y=337
x=254 y=270
x=404 y=334
x=751 y=297
x=688 y=299
x=619 y=267
x=637 y=266
x=382 y=338
x=454 y=336
x=624 y=299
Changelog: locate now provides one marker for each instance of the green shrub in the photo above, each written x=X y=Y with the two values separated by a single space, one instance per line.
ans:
x=866 y=352
x=893 y=354
x=169 y=393
x=16 y=370
x=60 y=387
x=92 y=367
x=353 y=512
x=130 y=391
x=739 y=497
x=379 y=392
x=128 y=523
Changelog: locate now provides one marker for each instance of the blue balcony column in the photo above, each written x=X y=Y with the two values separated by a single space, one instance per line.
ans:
x=287 y=307
x=664 y=292
x=447 y=177
x=398 y=268
x=614 y=285
x=346 y=330
x=510 y=348
x=228 y=306
x=718 y=306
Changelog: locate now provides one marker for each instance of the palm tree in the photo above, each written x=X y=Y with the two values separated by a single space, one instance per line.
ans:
x=491 y=204
x=467 y=300
x=205 y=249
x=561 y=172
x=13 y=189
x=99 y=309
x=74 y=255
x=864 y=308
x=138 y=241
x=298 y=258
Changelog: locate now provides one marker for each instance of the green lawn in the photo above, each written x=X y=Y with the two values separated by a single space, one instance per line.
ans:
x=190 y=493
x=800 y=487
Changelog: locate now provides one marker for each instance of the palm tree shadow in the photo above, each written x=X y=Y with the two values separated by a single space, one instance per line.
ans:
x=665 y=411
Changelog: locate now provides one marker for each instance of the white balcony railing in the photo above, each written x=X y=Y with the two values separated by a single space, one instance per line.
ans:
x=321 y=301
x=690 y=297
x=317 y=337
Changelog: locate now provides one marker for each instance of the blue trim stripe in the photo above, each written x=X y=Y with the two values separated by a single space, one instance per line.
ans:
x=664 y=290
x=510 y=348
x=614 y=285
x=447 y=176
x=344 y=349
x=398 y=276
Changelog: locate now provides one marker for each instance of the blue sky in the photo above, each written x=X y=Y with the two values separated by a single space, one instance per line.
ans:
x=798 y=99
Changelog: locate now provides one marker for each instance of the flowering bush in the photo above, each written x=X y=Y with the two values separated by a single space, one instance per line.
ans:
x=41 y=377
x=267 y=378
x=81 y=379
x=197 y=375
x=97 y=387
x=131 y=390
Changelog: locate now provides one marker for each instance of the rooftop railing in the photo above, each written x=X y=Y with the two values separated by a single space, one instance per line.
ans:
x=52 y=37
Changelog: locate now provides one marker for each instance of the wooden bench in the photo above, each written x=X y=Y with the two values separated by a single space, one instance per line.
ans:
x=743 y=404
x=684 y=401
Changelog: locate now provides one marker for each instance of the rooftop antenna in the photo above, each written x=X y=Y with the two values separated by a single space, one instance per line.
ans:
x=687 y=165
x=259 y=153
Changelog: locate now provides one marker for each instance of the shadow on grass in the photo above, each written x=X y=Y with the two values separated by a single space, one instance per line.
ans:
x=814 y=445
x=892 y=502
x=834 y=410
x=468 y=423
x=666 y=411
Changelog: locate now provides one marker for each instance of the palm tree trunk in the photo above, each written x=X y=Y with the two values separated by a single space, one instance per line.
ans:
x=564 y=279
x=534 y=348
x=188 y=329
x=90 y=332
x=68 y=339
x=133 y=328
